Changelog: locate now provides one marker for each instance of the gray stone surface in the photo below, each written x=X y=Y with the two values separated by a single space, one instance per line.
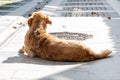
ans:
x=15 y=66
x=106 y=35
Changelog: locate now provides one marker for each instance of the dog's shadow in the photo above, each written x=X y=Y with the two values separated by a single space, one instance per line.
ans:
x=21 y=58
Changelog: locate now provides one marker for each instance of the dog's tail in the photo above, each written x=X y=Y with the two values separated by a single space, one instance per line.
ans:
x=95 y=56
x=102 y=54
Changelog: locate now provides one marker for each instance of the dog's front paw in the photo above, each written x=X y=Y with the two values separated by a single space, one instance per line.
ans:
x=21 y=50
x=30 y=56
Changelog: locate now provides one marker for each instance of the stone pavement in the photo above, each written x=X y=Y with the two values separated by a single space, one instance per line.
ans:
x=15 y=66
x=106 y=35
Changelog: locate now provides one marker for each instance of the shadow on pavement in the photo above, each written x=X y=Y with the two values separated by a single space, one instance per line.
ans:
x=21 y=58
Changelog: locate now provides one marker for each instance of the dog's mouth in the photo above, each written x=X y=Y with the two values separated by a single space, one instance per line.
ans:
x=72 y=36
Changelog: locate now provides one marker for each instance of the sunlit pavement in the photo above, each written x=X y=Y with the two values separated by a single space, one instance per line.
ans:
x=106 y=35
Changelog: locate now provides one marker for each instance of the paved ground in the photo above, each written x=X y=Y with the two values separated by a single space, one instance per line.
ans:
x=14 y=66
x=106 y=35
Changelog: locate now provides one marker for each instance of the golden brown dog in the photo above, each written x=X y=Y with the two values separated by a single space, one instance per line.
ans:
x=39 y=43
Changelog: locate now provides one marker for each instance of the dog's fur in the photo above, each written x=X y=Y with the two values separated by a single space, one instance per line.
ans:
x=39 y=43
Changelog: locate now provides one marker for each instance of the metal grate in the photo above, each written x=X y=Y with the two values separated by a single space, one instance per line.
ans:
x=85 y=8
x=77 y=4
x=88 y=14
x=71 y=36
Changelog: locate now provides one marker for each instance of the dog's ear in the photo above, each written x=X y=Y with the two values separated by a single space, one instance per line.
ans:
x=48 y=20
x=30 y=21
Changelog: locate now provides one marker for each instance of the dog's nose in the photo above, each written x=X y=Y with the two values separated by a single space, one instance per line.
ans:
x=29 y=15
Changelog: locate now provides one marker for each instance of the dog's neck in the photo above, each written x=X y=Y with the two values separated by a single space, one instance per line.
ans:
x=39 y=27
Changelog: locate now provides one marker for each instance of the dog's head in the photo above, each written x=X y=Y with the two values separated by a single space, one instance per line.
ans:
x=38 y=19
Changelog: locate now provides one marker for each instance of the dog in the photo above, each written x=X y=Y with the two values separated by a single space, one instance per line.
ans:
x=38 y=43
